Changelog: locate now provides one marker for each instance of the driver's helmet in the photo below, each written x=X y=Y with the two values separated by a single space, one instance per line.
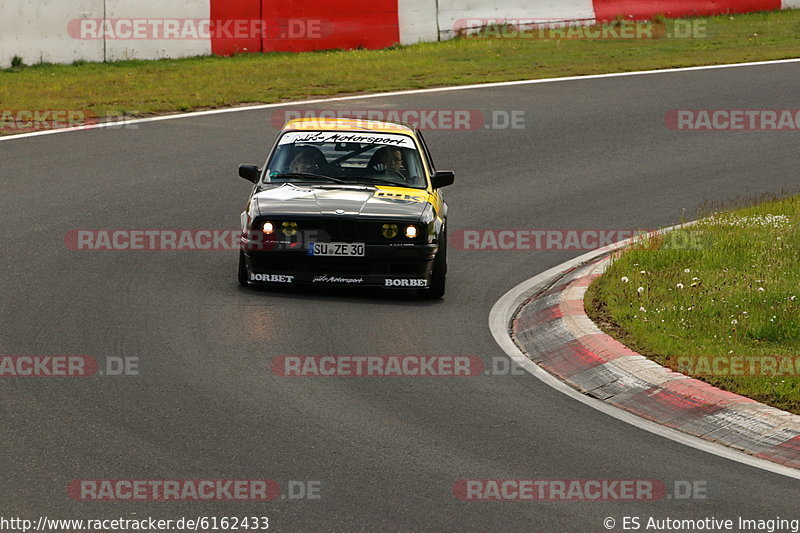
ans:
x=308 y=159
x=387 y=158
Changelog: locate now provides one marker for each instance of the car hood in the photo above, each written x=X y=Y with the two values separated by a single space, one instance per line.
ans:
x=296 y=200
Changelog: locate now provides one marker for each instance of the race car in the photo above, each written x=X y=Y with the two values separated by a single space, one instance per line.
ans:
x=347 y=203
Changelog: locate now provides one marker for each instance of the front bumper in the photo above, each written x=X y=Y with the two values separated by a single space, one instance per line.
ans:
x=385 y=266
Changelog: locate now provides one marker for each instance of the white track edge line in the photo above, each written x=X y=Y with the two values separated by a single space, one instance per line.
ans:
x=123 y=123
x=500 y=318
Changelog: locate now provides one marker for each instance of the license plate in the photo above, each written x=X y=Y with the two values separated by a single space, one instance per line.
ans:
x=336 y=249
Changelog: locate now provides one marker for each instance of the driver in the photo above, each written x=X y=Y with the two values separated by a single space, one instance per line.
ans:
x=308 y=160
x=391 y=158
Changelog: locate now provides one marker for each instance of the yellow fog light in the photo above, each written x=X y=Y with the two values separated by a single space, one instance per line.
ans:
x=268 y=228
x=389 y=231
x=289 y=228
x=411 y=232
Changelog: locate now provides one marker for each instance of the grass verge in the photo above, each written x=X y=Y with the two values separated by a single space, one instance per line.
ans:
x=140 y=88
x=719 y=300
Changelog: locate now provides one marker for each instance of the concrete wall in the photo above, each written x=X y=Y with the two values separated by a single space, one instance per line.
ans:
x=455 y=15
x=152 y=47
x=36 y=30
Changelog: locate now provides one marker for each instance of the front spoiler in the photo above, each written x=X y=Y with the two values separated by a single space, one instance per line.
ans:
x=387 y=267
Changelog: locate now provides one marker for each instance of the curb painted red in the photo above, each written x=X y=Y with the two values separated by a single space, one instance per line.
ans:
x=553 y=330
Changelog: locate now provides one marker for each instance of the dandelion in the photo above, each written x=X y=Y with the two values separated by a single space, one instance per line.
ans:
x=686 y=270
x=643 y=272
x=624 y=279
x=642 y=309
x=679 y=285
x=734 y=321
x=640 y=290
x=761 y=289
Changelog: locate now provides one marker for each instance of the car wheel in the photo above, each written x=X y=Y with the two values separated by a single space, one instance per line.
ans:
x=439 y=274
x=242 y=269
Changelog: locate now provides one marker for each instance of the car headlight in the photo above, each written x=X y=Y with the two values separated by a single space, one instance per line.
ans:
x=389 y=231
x=411 y=232
x=289 y=228
x=268 y=228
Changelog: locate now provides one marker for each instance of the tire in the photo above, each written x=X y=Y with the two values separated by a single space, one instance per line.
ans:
x=439 y=274
x=242 y=269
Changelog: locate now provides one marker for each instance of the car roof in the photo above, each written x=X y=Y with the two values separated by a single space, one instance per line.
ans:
x=347 y=124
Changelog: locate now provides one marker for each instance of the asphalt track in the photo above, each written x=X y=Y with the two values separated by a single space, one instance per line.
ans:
x=594 y=154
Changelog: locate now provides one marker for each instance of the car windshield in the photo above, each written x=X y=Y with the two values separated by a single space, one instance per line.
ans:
x=351 y=158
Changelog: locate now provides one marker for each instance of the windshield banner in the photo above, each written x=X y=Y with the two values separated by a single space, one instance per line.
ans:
x=296 y=137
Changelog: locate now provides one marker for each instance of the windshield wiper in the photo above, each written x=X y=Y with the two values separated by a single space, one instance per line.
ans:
x=306 y=175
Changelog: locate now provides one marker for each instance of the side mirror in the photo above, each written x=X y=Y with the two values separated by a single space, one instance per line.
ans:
x=250 y=172
x=443 y=178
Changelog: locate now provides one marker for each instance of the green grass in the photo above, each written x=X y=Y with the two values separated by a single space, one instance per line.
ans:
x=141 y=88
x=727 y=286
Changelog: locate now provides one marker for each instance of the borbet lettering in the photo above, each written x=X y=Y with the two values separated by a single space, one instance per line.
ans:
x=406 y=283
x=272 y=278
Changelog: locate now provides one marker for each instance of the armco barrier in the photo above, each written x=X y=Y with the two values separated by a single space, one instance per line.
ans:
x=45 y=30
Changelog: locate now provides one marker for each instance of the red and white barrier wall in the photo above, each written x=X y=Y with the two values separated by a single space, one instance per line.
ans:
x=107 y=30
x=459 y=15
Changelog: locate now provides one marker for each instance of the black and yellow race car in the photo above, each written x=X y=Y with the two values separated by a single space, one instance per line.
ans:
x=346 y=202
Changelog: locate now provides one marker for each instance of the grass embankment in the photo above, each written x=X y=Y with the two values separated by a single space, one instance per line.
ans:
x=145 y=87
x=728 y=286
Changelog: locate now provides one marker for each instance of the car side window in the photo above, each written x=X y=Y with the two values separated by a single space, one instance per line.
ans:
x=425 y=149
